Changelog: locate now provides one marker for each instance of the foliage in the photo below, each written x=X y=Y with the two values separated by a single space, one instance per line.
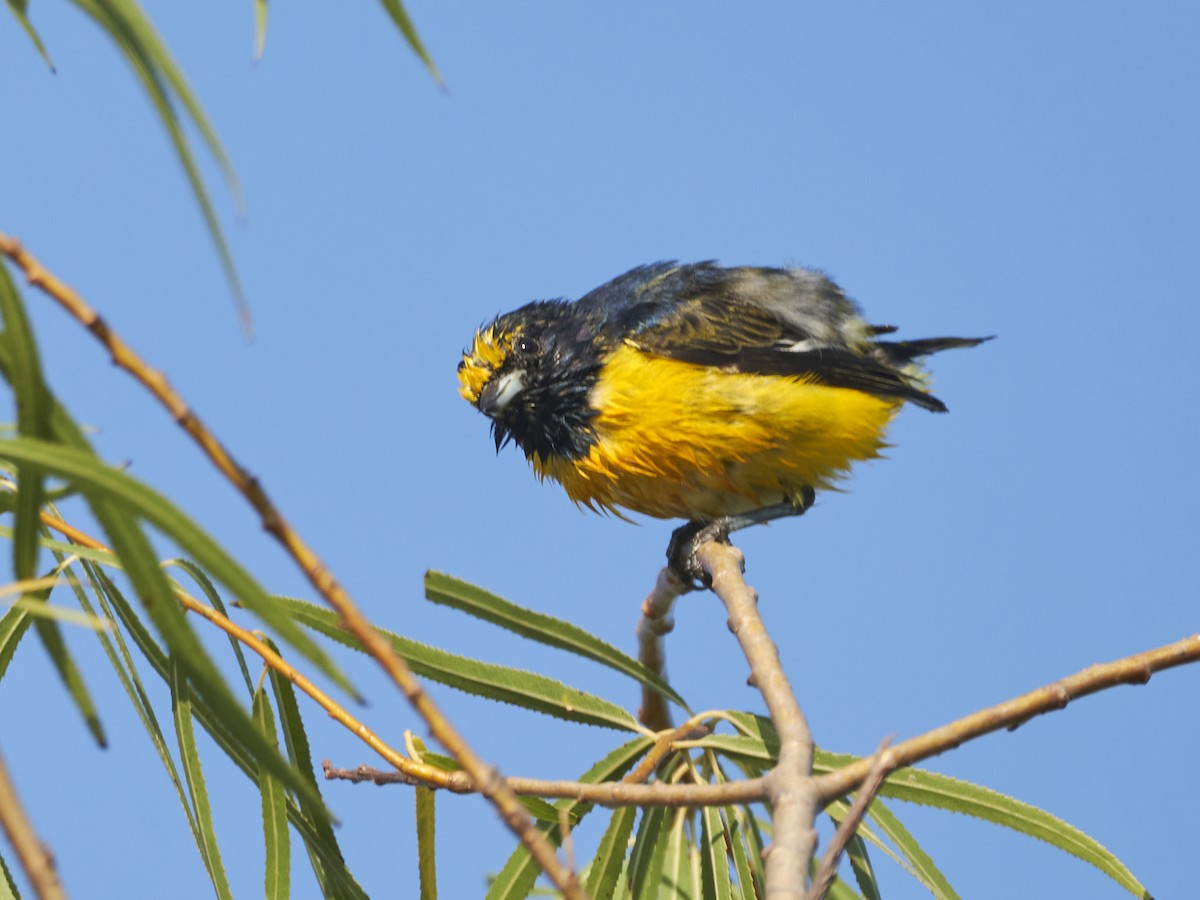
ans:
x=131 y=600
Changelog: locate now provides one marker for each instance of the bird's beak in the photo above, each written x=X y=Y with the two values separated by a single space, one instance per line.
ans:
x=498 y=393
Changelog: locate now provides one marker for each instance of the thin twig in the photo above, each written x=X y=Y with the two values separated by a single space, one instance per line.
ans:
x=827 y=870
x=789 y=784
x=654 y=625
x=490 y=782
x=1011 y=714
x=36 y=859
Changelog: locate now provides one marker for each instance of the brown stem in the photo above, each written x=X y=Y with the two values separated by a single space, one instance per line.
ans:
x=36 y=859
x=653 y=627
x=789 y=785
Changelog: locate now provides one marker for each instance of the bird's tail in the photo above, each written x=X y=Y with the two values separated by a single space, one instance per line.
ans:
x=900 y=353
x=904 y=356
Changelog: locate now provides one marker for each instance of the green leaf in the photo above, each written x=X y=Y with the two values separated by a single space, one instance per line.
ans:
x=8 y=887
x=923 y=867
x=426 y=846
x=860 y=865
x=941 y=791
x=649 y=852
x=19 y=8
x=678 y=878
x=517 y=878
x=274 y=806
x=475 y=601
x=321 y=845
x=72 y=679
x=33 y=421
x=181 y=703
x=540 y=809
x=99 y=481
x=396 y=10
x=167 y=89
x=714 y=862
x=606 y=866
x=520 y=688
x=336 y=880
x=13 y=626
x=260 y=28
x=741 y=859
x=122 y=663
x=214 y=600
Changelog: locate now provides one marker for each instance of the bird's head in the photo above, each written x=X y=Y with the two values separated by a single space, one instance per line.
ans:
x=530 y=371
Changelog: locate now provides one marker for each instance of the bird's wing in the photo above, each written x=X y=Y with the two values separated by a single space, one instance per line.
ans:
x=767 y=322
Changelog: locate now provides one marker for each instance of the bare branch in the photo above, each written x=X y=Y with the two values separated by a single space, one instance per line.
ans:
x=36 y=859
x=655 y=624
x=790 y=784
x=827 y=870
x=1011 y=714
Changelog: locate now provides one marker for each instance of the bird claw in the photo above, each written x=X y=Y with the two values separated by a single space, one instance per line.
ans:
x=681 y=551
x=686 y=540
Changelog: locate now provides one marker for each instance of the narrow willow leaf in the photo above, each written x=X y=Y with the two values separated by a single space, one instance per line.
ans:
x=181 y=703
x=609 y=860
x=515 y=686
x=396 y=10
x=714 y=862
x=741 y=860
x=296 y=741
x=839 y=890
x=520 y=872
x=677 y=879
x=540 y=809
x=339 y=882
x=214 y=599
x=13 y=626
x=33 y=421
x=941 y=791
x=167 y=88
x=98 y=480
x=72 y=679
x=260 y=28
x=475 y=601
x=860 y=865
x=122 y=663
x=19 y=9
x=923 y=867
x=426 y=845
x=649 y=851
x=278 y=868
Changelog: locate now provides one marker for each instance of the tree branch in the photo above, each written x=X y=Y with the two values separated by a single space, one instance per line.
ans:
x=789 y=785
x=1011 y=714
x=490 y=783
x=36 y=859
x=655 y=624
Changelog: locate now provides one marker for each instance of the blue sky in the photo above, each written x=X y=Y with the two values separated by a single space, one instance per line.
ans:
x=1020 y=170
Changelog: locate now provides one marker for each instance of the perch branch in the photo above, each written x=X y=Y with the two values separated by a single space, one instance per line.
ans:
x=35 y=857
x=654 y=625
x=789 y=785
x=491 y=784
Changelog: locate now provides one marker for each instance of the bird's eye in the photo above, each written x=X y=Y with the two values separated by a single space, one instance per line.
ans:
x=527 y=346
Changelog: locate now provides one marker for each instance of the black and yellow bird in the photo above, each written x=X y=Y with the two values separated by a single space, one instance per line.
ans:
x=696 y=392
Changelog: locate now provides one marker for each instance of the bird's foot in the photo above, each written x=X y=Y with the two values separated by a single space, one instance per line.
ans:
x=686 y=540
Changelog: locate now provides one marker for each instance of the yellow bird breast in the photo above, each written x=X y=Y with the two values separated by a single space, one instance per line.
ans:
x=679 y=440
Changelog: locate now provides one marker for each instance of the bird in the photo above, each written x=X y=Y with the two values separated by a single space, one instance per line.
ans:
x=720 y=396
